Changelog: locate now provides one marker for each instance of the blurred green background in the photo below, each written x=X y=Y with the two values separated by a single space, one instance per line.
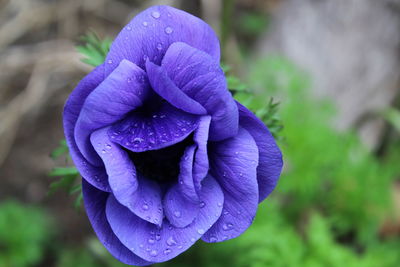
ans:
x=338 y=200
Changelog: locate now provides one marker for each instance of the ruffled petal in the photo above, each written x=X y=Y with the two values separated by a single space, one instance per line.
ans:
x=121 y=92
x=142 y=196
x=179 y=211
x=92 y=174
x=201 y=164
x=95 y=203
x=200 y=77
x=163 y=243
x=152 y=31
x=162 y=128
x=185 y=179
x=233 y=163
x=270 y=162
x=165 y=88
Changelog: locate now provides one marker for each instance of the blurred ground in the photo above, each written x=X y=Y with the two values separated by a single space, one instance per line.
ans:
x=351 y=49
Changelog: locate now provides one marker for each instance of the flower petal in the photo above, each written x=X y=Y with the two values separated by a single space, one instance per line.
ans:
x=185 y=179
x=179 y=211
x=152 y=31
x=122 y=91
x=161 y=128
x=165 y=88
x=92 y=174
x=270 y=163
x=140 y=195
x=233 y=163
x=95 y=203
x=200 y=77
x=201 y=165
x=163 y=243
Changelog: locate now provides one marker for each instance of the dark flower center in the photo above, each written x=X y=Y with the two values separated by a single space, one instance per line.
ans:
x=161 y=165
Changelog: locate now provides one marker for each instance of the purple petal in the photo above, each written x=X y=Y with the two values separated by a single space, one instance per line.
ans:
x=122 y=91
x=163 y=243
x=201 y=165
x=185 y=179
x=161 y=128
x=233 y=163
x=179 y=211
x=165 y=88
x=140 y=195
x=152 y=31
x=94 y=175
x=95 y=203
x=200 y=77
x=270 y=162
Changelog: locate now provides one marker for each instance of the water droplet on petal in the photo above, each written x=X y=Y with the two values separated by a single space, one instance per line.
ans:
x=219 y=204
x=108 y=146
x=213 y=239
x=158 y=237
x=177 y=214
x=167 y=251
x=137 y=140
x=171 y=241
x=153 y=253
x=159 y=46
x=109 y=61
x=192 y=239
x=145 y=23
x=168 y=30
x=128 y=28
x=151 y=241
x=200 y=231
x=202 y=204
x=155 y=14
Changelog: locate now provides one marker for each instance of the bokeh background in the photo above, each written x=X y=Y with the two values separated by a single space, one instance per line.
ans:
x=334 y=67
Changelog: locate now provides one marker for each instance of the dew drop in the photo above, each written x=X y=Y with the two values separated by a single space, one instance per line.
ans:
x=153 y=253
x=151 y=241
x=108 y=146
x=192 y=239
x=141 y=246
x=103 y=151
x=171 y=241
x=159 y=46
x=236 y=152
x=202 y=204
x=219 y=204
x=177 y=214
x=145 y=206
x=128 y=28
x=137 y=140
x=213 y=239
x=155 y=14
x=200 y=231
x=168 y=30
x=167 y=251
x=145 y=23
x=109 y=61
x=158 y=236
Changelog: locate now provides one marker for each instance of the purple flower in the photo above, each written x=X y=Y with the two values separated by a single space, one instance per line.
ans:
x=166 y=154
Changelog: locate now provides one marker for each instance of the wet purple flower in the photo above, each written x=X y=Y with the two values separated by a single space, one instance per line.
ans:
x=166 y=154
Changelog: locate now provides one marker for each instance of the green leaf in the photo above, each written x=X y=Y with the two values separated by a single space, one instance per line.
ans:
x=60 y=150
x=393 y=117
x=94 y=49
x=62 y=171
